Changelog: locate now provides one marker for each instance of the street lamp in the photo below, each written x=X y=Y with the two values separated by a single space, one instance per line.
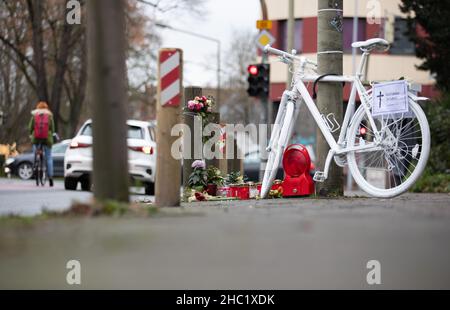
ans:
x=205 y=38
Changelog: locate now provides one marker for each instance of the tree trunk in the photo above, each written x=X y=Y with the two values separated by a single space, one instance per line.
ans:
x=107 y=89
x=79 y=95
x=35 y=8
x=61 y=66
x=329 y=99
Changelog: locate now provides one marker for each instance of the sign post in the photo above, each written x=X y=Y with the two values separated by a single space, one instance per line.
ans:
x=264 y=37
x=168 y=114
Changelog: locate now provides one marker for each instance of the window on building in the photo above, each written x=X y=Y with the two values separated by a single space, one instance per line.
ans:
x=348 y=33
x=298 y=35
x=402 y=44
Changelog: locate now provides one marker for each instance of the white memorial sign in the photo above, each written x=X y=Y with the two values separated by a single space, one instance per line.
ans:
x=390 y=98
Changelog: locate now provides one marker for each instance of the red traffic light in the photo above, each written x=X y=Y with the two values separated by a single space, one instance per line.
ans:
x=362 y=131
x=252 y=69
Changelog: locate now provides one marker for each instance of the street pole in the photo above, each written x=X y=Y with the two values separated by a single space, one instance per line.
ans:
x=355 y=36
x=329 y=99
x=354 y=39
x=290 y=38
x=268 y=109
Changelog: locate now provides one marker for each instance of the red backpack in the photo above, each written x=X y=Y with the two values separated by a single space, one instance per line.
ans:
x=41 y=124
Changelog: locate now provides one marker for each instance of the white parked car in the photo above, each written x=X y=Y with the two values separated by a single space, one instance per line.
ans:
x=141 y=156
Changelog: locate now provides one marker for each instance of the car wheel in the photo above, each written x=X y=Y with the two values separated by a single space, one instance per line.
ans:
x=85 y=184
x=149 y=188
x=25 y=171
x=70 y=184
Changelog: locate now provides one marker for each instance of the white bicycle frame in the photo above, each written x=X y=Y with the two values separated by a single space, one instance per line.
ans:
x=336 y=147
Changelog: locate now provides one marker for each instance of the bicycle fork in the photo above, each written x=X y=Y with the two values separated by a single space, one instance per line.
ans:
x=288 y=96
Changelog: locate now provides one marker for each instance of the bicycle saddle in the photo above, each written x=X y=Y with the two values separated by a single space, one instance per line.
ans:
x=371 y=44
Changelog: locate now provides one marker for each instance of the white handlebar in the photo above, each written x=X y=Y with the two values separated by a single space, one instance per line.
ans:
x=269 y=49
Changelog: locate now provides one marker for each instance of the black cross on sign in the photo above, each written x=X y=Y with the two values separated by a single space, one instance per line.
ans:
x=380 y=96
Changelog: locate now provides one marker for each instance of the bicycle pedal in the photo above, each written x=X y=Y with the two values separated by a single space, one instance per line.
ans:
x=319 y=176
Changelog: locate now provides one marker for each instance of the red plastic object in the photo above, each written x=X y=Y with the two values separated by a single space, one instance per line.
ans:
x=296 y=165
x=241 y=192
x=223 y=191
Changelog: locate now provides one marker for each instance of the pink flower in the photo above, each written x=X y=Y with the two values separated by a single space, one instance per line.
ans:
x=204 y=98
x=198 y=164
x=191 y=104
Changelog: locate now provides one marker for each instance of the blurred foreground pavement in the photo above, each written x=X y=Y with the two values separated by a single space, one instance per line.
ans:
x=271 y=244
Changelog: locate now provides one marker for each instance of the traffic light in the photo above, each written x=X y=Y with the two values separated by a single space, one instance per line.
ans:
x=258 y=80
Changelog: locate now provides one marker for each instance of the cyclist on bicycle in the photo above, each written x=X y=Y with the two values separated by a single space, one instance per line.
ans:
x=41 y=129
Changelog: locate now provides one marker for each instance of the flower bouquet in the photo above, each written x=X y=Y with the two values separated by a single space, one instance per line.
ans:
x=201 y=106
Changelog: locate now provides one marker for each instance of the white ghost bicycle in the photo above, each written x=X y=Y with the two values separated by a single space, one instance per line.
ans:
x=394 y=146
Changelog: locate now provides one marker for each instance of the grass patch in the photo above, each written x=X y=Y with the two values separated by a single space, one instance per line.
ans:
x=432 y=183
x=105 y=209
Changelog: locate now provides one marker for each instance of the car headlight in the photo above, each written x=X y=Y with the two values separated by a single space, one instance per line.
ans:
x=9 y=161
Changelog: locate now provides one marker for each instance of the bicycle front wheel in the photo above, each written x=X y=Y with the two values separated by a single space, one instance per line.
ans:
x=37 y=171
x=40 y=171
x=279 y=143
x=401 y=157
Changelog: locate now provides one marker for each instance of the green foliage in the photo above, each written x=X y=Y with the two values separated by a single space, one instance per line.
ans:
x=432 y=183
x=235 y=178
x=436 y=177
x=214 y=176
x=114 y=208
x=431 y=16
x=198 y=178
x=433 y=45
x=438 y=114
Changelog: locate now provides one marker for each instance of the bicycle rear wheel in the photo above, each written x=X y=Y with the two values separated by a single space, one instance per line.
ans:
x=43 y=175
x=401 y=158
x=276 y=149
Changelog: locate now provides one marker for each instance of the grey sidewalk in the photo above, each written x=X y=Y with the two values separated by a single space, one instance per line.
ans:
x=271 y=244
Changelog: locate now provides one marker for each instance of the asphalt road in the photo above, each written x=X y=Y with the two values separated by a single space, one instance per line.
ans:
x=25 y=198
x=270 y=244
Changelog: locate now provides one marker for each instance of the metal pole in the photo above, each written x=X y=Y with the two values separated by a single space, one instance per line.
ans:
x=354 y=39
x=329 y=99
x=355 y=36
x=290 y=37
